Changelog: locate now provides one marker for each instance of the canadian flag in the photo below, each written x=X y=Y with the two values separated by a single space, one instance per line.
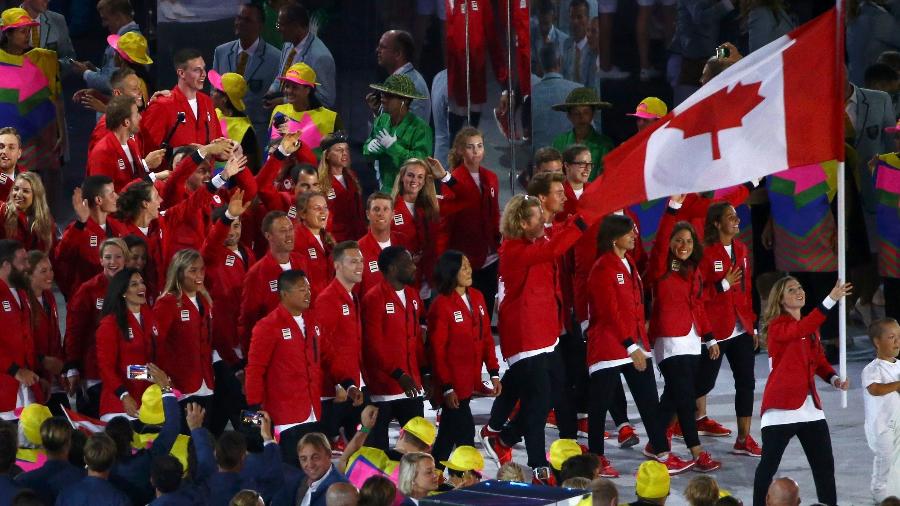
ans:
x=779 y=107
x=84 y=423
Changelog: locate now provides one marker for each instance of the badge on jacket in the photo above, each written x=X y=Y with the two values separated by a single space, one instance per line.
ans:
x=719 y=266
x=620 y=278
x=389 y=307
x=99 y=303
x=155 y=332
x=3 y=177
x=345 y=309
x=481 y=309
x=185 y=315
x=286 y=334
x=398 y=219
x=457 y=316
x=7 y=306
x=292 y=212
x=373 y=266
x=312 y=253
x=331 y=195
x=229 y=261
x=415 y=304
x=273 y=285
x=130 y=334
x=217 y=199
x=121 y=164
x=93 y=241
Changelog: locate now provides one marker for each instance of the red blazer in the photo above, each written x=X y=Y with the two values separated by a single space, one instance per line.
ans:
x=185 y=341
x=370 y=250
x=725 y=308
x=529 y=310
x=346 y=215
x=98 y=133
x=24 y=234
x=695 y=206
x=677 y=296
x=338 y=315
x=45 y=329
x=155 y=270
x=6 y=183
x=421 y=235
x=392 y=338
x=283 y=367
x=225 y=272
x=259 y=294
x=616 y=307
x=161 y=115
x=82 y=320
x=116 y=352
x=797 y=357
x=77 y=256
x=460 y=341
x=16 y=345
x=107 y=158
x=470 y=216
x=319 y=267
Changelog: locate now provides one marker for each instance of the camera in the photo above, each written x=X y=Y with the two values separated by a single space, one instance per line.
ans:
x=251 y=417
x=722 y=52
x=138 y=372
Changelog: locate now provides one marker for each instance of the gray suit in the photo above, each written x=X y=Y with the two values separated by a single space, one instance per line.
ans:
x=568 y=61
x=874 y=31
x=546 y=123
x=312 y=51
x=99 y=79
x=260 y=72
x=422 y=107
x=556 y=36
x=55 y=36
x=440 y=110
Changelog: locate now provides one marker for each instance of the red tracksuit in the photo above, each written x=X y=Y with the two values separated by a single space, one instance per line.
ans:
x=185 y=342
x=346 y=216
x=77 y=256
x=259 y=294
x=392 y=339
x=16 y=345
x=616 y=302
x=225 y=272
x=421 y=235
x=29 y=239
x=338 y=315
x=725 y=308
x=460 y=341
x=115 y=352
x=107 y=158
x=797 y=357
x=82 y=320
x=470 y=216
x=370 y=251
x=6 y=183
x=283 y=367
x=45 y=329
x=319 y=267
x=483 y=32
x=161 y=116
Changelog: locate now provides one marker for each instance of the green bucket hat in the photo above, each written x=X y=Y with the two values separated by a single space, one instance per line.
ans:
x=399 y=85
x=582 y=96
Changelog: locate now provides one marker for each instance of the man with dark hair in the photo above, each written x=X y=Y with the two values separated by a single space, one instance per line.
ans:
x=117 y=17
x=57 y=473
x=10 y=152
x=95 y=488
x=552 y=89
x=165 y=476
x=186 y=115
x=393 y=364
x=380 y=215
x=548 y=159
x=544 y=32
x=18 y=360
x=9 y=444
x=253 y=58
x=303 y=46
x=283 y=374
x=883 y=77
x=395 y=53
x=586 y=465
x=576 y=54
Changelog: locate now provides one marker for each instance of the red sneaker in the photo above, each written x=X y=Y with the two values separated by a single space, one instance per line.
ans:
x=551 y=420
x=706 y=426
x=705 y=463
x=628 y=437
x=582 y=427
x=674 y=430
x=606 y=468
x=748 y=447
x=494 y=447
x=674 y=464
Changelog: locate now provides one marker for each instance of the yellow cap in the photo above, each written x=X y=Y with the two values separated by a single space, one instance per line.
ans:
x=650 y=108
x=422 y=429
x=231 y=84
x=151 y=411
x=16 y=17
x=652 y=480
x=561 y=450
x=132 y=47
x=31 y=419
x=465 y=458
x=300 y=73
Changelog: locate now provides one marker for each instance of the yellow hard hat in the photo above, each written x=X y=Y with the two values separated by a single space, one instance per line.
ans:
x=300 y=73
x=652 y=480
x=561 y=450
x=422 y=429
x=231 y=84
x=33 y=415
x=132 y=47
x=151 y=411
x=465 y=458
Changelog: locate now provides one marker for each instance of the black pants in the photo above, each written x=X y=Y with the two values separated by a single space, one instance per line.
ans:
x=88 y=401
x=572 y=399
x=533 y=382
x=679 y=395
x=892 y=297
x=340 y=415
x=457 y=429
x=816 y=443
x=817 y=285
x=402 y=410
x=205 y=402
x=485 y=281
x=740 y=353
x=605 y=384
x=57 y=402
x=227 y=401
x=289 y=438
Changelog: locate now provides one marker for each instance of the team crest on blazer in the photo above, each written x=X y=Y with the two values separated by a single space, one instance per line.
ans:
x=398 y=219
x=345 y=309
x=130 y=333
x=99 y=303
x=312 y=253
x=121 y=164
x=217 y=199
x=481 y=309
x=718 y=266
x=292 y=212
x=185 y=315
x=286 y=334
x=3 y=177
x=620 y=278
x=155 y=332
x=229 y=261
x=93 y=241
x=273 y=285
x=389 y=307
x=331 y=195
x=415 y=304
x=7 y=306
x=457 y=316
x=373 y=266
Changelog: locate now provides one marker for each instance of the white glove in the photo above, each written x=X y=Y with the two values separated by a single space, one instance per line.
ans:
x=385 y=139
x=374 y=146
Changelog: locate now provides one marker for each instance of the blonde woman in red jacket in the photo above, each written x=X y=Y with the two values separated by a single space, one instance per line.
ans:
x=791 y=405
x=417 y=217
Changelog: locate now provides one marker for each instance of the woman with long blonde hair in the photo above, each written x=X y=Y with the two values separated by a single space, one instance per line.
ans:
x=26 y=214
x=790 y=404
x=183 y=317
x=416 y=216
x=347 y=216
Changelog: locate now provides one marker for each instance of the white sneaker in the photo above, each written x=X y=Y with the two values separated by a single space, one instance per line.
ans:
x=649 y=74
x=614 y=73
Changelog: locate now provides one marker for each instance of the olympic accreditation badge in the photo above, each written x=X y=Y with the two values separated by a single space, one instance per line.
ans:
x=719 y=266
x=286 y=334
x=458 y=316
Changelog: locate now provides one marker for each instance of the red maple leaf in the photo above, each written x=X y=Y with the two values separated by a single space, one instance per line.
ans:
x=722 y=110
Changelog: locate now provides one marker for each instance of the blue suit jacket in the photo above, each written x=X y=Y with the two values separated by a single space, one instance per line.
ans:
x=314 y=53
x=92 y=491
x=261 y=71
x=49 y=479
x=287 y=496
x=177 y=498
x=568 y=60
x=262 y=473
x=8 y=489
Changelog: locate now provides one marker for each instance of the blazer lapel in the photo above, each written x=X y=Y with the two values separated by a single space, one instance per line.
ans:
x=862 y=113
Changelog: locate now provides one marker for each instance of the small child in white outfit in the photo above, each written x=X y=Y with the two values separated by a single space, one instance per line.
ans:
x=881 y=380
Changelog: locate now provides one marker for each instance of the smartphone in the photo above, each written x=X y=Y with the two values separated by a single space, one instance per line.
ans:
x=722 y=52
x=138 y=372
x=542 y=473
x=251 y=417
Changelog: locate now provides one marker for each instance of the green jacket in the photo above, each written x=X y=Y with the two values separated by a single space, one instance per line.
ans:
x=596 y=142
x=414 y=140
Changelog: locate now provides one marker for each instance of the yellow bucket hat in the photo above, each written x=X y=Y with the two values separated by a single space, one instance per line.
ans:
x=231 y=84
x=132 y=47
x=652 y=480
x=422 y=429
x=151 y=410
x=465 y=458
x=561 y=450
x=16 y=17
x=33 y=415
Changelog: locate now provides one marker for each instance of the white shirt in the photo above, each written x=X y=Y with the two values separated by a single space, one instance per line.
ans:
x=127 y=154
x=665 y=347
x=340 y=179
x=476 y=176
x=250 y=50
x=313 y=487
x=285 y=267
x=882 y=411
x=808 y=412
x=384 y=244
x=627 y=265
x=401 y=294
x=465 y=298
x=411 y=206
x=578 y=192
x=193 y=103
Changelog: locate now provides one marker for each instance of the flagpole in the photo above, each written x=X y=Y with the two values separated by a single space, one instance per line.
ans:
x=842 y=214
